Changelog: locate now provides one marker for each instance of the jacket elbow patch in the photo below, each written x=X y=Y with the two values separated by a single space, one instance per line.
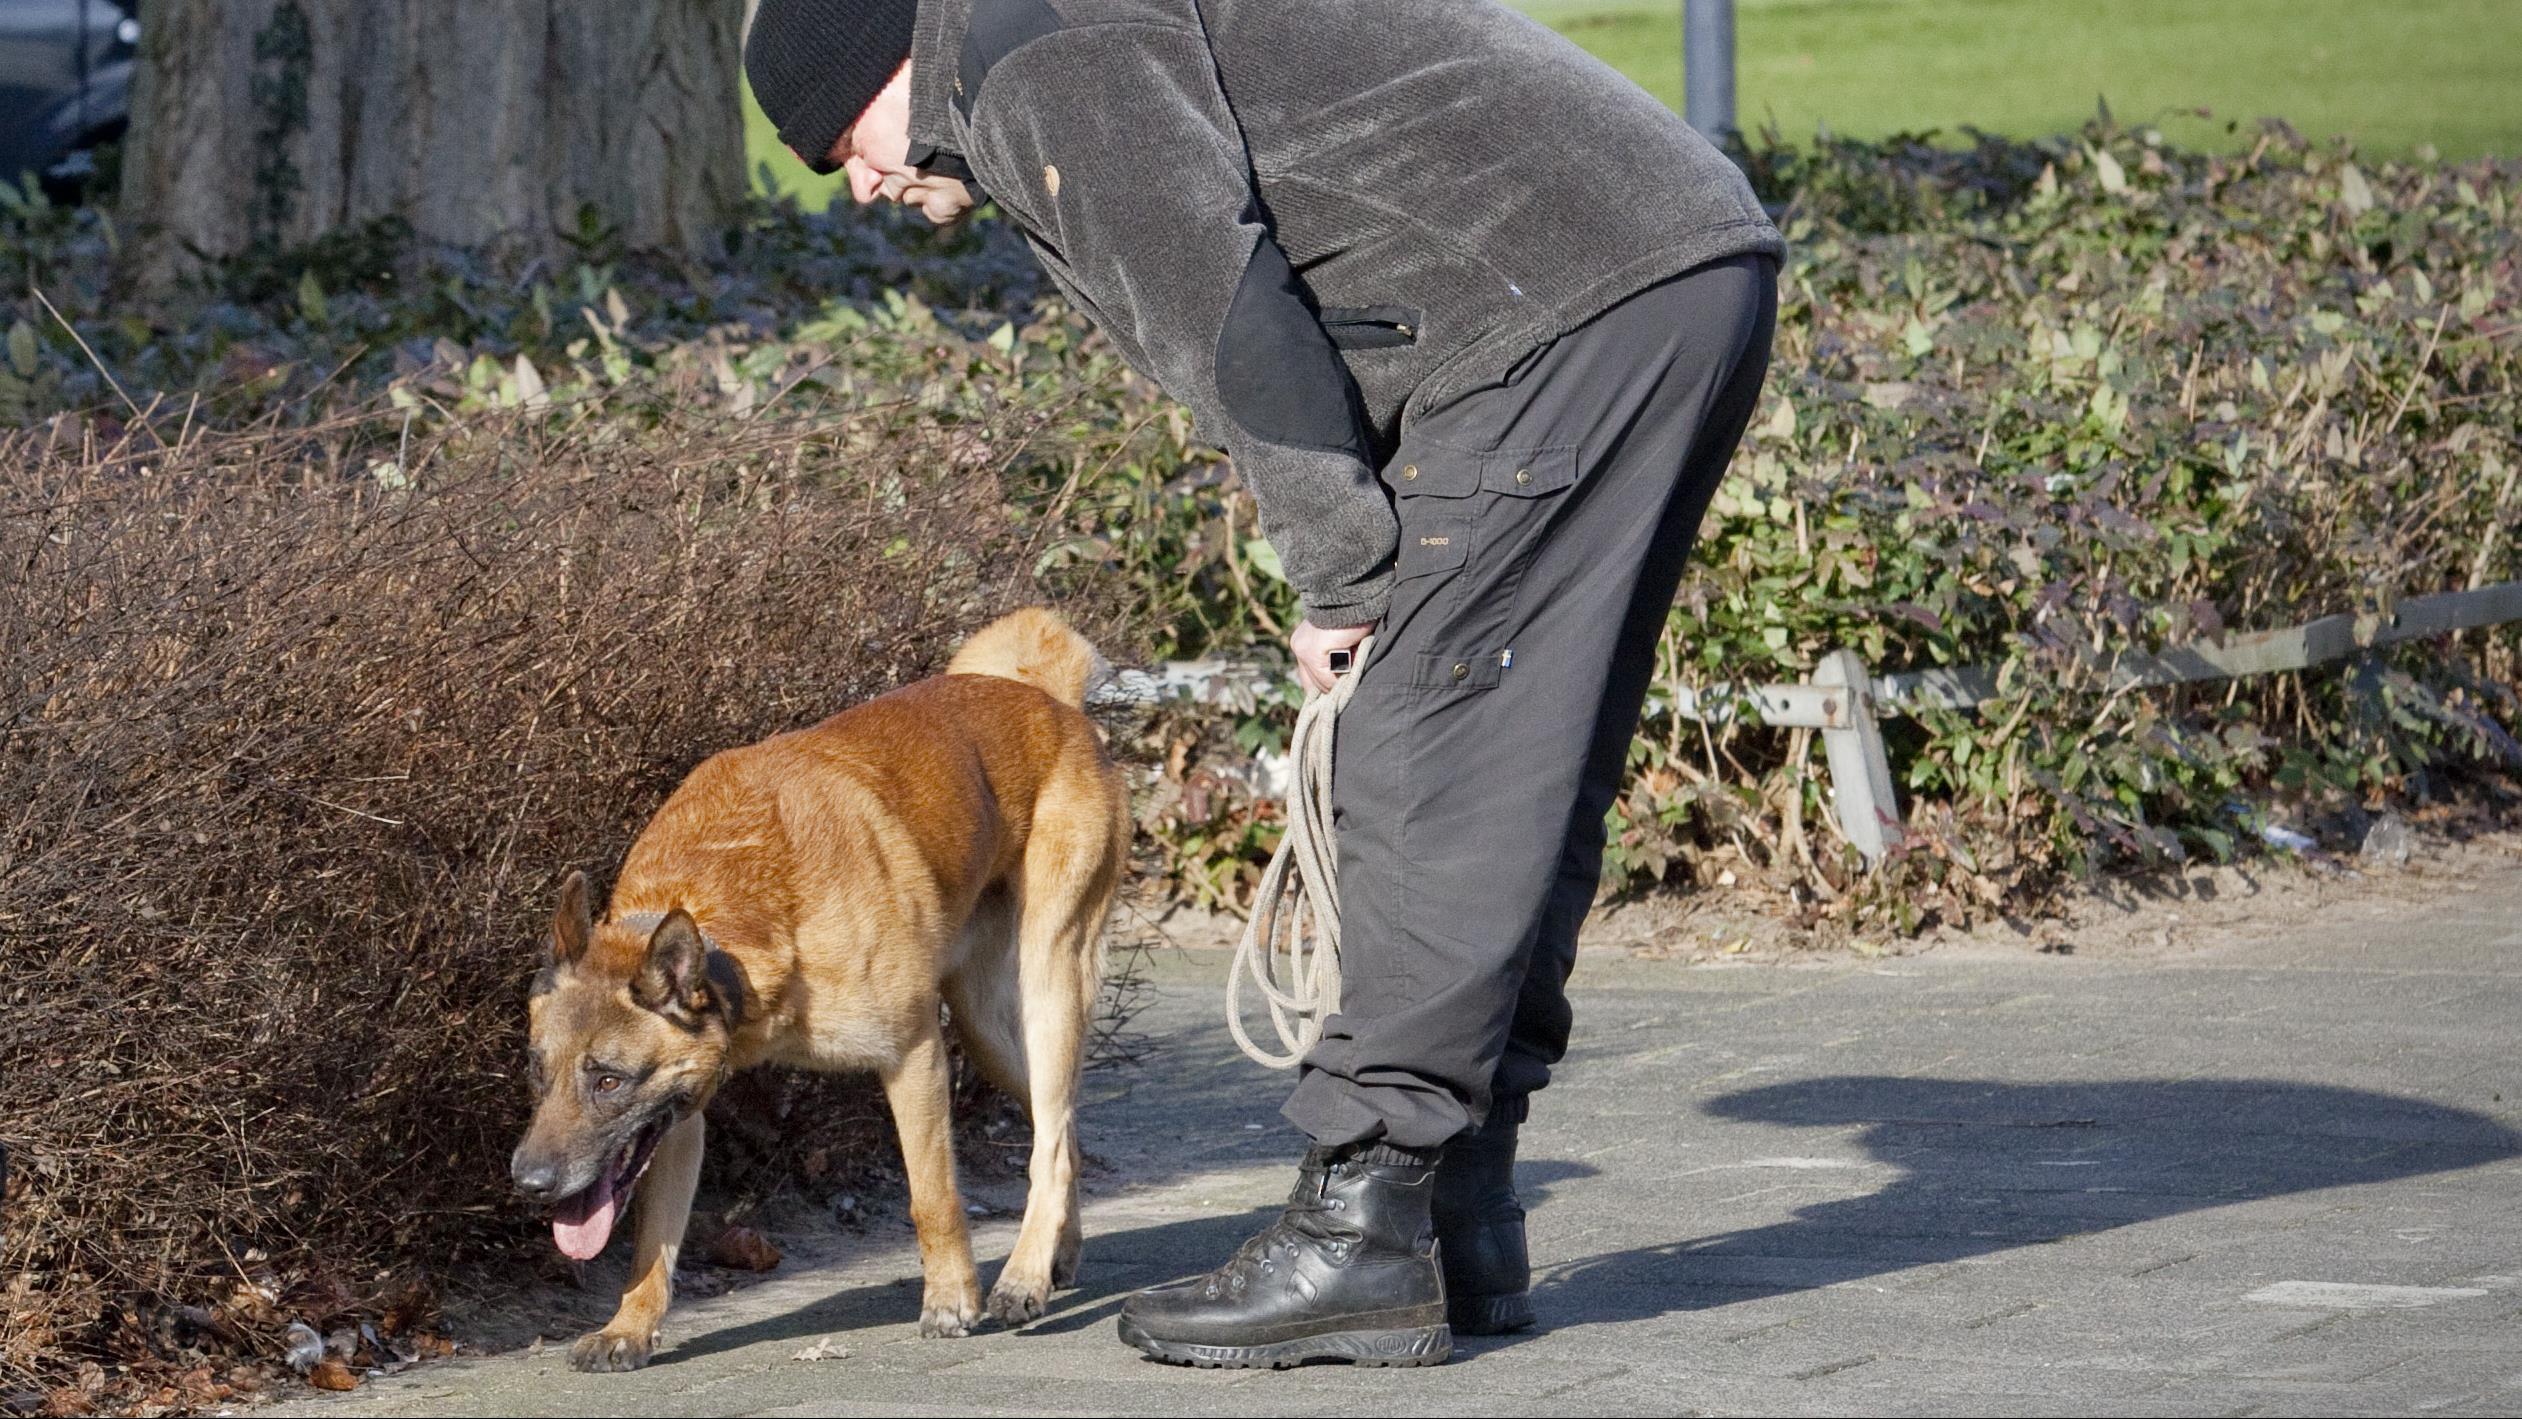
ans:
x=1277 y=374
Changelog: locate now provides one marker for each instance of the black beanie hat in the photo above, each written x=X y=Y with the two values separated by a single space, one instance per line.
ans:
x=815 y=65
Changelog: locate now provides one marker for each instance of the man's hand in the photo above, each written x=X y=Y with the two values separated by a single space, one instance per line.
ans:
x=1313 y=646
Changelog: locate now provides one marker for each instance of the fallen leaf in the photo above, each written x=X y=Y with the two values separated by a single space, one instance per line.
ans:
x=828 y=1348
x=2114 y=178
x=332 y=1374
x=2354 y=193
x=743 y=1249
x=305 y=1346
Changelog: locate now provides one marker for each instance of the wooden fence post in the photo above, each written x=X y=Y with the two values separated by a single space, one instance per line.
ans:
x=1861 y=789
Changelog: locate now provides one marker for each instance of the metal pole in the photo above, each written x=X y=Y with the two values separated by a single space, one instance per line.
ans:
x=1707 y=61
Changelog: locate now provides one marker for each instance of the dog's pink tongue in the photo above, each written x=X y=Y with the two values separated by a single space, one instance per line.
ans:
x=585 y=1222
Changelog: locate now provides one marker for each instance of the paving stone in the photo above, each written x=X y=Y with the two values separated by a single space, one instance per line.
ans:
x=2280 y=1178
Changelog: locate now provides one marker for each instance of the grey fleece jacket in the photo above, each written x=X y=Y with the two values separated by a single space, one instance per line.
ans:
x=1313 y=221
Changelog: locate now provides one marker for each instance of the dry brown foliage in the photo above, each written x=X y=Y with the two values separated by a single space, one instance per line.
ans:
x=295 y=745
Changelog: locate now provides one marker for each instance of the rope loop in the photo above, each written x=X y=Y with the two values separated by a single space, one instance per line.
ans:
x=1290 y=952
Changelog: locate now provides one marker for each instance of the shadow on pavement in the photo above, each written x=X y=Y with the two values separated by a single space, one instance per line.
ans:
x=1097 y=1299
x=1985 y=1167
x=1990 y=1166
x=1142 y=1256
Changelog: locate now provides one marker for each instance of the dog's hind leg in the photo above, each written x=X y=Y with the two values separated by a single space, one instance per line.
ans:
x=1070 y=874
x=665 y=1209
x=920 y=1089
x=986 y=992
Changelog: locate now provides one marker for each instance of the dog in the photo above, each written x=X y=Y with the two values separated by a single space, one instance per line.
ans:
x=811 y=900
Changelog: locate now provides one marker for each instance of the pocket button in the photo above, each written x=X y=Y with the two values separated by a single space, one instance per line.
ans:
x=1461 y=670
x=1524 y=476
x=1410 y=472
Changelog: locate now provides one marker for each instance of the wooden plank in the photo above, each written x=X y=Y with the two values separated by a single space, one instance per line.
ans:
x=2318 y=642
x=1787 y=706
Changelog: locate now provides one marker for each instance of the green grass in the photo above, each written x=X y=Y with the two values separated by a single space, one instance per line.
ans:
x=2391 y=76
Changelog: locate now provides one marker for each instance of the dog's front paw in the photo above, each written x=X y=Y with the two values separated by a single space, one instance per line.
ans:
x=947 y=1322
x=606 y=1351
x=1016 y=1303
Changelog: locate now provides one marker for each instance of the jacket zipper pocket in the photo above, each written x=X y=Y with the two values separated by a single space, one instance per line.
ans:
x=1370 y=327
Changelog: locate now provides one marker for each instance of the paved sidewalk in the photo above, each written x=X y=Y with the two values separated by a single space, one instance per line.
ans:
x=2277 y=1177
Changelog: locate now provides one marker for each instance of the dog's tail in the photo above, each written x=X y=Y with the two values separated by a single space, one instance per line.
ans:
x=1035 y=646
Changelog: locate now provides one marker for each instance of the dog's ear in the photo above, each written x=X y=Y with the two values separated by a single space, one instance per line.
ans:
x=674 y=981
x=572 y=922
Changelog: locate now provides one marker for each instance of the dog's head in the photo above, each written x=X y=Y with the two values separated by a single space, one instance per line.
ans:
x=629 y=1032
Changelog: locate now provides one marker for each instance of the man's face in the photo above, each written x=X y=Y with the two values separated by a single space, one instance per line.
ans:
x=873 y=152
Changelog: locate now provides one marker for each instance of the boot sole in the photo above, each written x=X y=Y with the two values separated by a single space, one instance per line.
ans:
x=1489 y=1315
x=1410 y=1346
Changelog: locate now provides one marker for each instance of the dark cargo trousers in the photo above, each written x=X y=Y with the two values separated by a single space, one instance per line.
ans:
x=1544 y=526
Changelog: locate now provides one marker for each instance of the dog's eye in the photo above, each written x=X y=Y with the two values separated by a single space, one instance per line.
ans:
x=607 y=1083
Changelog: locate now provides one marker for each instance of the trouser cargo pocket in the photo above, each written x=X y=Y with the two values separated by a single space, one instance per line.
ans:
x=1470 y=522
x=1436 y=544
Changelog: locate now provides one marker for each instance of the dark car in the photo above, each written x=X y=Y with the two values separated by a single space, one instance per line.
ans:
x=65 y=84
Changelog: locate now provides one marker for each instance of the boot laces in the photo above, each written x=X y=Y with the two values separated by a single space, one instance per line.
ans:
x=1300 y=1225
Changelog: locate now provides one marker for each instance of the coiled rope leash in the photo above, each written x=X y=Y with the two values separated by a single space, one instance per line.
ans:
x=1290 y=950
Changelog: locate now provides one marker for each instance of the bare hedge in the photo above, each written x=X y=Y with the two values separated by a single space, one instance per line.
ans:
x=298 y=731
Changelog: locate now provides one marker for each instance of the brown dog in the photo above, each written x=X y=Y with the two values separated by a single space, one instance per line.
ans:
x=810 y=900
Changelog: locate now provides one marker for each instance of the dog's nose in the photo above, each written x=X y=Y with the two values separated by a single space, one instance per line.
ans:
x=534 y=1177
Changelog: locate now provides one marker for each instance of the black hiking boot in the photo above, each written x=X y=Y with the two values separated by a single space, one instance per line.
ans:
x=1480 y=1230
x=1348 y=1272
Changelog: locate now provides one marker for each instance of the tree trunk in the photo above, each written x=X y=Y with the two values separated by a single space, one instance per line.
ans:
x=497 y=125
